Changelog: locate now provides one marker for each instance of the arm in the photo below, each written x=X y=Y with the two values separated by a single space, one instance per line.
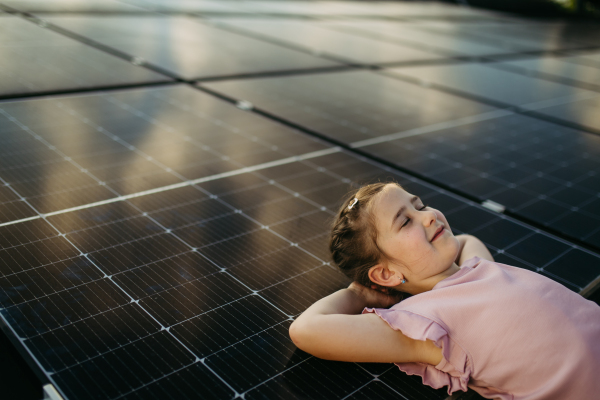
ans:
x=470 y=247
x=334 y=329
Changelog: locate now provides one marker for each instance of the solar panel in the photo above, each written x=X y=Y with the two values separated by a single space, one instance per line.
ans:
x=451 y=140
x=375 y=8
x=316 y=38
x=591 y=58
x=39 y=60
x=188 y=6
x=516 y=90
x=544 y=97
x=518 y=35
x=190 y=288
x=550 y=35
x=554 y=68
x=72 y=6
x=215 y=52
x=158 y=242
x=404 y=33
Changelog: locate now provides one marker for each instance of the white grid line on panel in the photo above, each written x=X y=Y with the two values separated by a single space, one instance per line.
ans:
x=278 y=374
x=365 y=385
x=161 y=377
x=236 y=279
x=91 y=261
x=236 y=172
x=244 y=170
x=240 y=171
x=432 y=128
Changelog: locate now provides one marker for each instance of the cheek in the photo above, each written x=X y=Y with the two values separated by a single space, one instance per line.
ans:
x=442 y=218
x=415 y=245
x=396 y=246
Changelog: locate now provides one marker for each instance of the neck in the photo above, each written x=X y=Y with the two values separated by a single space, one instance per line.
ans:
x=428 y=284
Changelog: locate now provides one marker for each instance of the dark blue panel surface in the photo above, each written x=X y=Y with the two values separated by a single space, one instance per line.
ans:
x=539 y=170
x=195 y=50
x=407 y=34
x=103 y=146
x=505 y=87
x=206 y=278
x=319 y=39
x=35 y=59
x=156 y=243
x=519 y=34
x=72 y=6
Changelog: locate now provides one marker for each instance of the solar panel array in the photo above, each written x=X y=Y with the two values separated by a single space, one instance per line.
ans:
x=164 y=213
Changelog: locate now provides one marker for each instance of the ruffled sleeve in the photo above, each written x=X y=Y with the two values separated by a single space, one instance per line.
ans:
x=453 y=371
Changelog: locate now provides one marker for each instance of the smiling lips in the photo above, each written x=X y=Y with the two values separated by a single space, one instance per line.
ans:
x=438 y=233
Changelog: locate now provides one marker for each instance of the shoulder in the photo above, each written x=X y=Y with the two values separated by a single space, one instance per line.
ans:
x=471 y=247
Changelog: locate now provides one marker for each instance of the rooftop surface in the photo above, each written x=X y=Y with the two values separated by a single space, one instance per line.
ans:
x=168 y=171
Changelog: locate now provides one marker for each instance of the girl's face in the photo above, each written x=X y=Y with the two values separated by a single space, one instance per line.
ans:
x=416 y=239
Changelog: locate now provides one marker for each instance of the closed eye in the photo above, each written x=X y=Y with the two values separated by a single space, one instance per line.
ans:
x=408 y=219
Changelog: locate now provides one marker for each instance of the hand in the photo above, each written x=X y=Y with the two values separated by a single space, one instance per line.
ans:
x=376 y=296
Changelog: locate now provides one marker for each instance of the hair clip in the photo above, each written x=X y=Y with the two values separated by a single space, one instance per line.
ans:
x=353 y=203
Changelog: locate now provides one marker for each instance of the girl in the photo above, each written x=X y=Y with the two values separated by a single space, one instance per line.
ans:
x=506 y=332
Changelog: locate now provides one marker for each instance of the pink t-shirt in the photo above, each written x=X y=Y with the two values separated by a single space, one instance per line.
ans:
x=506 y=332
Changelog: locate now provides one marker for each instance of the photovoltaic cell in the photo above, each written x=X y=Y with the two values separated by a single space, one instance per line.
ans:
x=590 y=58
x=559 y=69
x=197 y=50
x=125 y=369
x=35 y=59
x=187 y=6
x=316 y=38
x=67 y=171
x=157 y=243
x=329 y=103
x=552 y=99
x=405 y=33
x=373 y=391
x=518 y=34
x=542 y=171
x=185 y=383
x=379 y=9
x=72 y=6
x=233 y=321
x=343 y=379
x=547 y=34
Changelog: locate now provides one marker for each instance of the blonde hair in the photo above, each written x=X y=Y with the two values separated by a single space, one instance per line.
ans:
x=353 y=239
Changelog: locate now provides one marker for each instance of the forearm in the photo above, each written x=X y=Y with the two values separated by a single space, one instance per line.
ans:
x=334 y=329
x=315 y=328
x=344 y=301
x=312 y=325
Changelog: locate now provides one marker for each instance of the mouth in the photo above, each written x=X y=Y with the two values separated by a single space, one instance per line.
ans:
x=438 y=233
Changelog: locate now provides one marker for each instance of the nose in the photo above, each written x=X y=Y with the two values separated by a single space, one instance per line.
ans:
x=429 y=218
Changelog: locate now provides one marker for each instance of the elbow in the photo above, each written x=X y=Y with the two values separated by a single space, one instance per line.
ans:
x=302 y=335
x=296 y=333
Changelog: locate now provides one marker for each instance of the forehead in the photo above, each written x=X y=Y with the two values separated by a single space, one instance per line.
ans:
x=390 y=199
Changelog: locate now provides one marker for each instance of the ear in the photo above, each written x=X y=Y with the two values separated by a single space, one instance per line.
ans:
x=381 y=275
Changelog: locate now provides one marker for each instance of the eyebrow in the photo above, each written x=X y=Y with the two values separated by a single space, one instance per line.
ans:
x=402 y=209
